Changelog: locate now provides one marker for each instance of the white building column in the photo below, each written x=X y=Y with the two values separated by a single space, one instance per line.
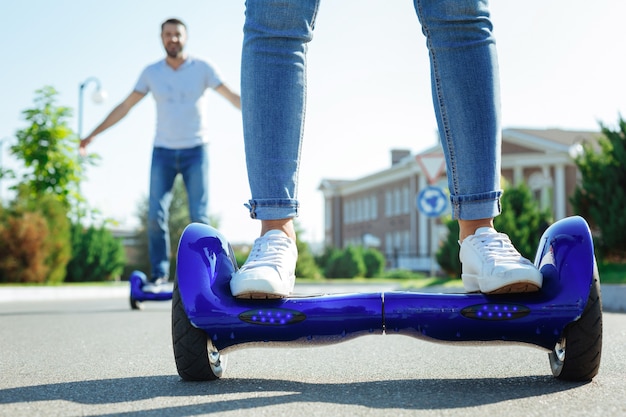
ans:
x=518 y=175
x=423 y=240
x=559 y=192
x=413 y=243
x=547 y=183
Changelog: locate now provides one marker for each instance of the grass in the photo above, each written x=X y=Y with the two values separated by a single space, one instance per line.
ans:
x=612 y=273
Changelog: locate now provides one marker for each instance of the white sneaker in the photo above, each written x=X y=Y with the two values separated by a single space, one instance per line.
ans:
x=491 y=265
x=269 y=271
x=157 y=285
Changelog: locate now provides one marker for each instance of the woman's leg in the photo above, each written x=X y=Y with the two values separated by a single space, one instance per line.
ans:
x=466 y=95
x=273 y=99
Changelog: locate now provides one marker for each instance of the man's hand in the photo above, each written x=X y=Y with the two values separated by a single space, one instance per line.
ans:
x=82 y=147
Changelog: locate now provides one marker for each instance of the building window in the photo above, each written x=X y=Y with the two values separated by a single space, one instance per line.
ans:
x=405 y=199
x=328 y=219
x=348 y=214
x=406 y=242
x=374 y=207
x=397 y=241
x=388 y=203
x=388 y=243
x=397 y=205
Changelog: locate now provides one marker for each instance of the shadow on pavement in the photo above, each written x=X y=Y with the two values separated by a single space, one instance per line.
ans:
x=418 y=394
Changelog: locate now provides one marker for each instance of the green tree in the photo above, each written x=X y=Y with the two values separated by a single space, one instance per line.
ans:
x=601 y=195
x=48 y=149
x=49 y=183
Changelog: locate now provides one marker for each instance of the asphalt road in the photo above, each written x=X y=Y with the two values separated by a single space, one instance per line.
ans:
x=96 y=357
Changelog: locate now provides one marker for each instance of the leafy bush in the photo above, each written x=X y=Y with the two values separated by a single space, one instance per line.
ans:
x=54 y=246
x=351 y=262
x=23 y=248
x=323 y=260
x=97 y=255
x=448 y=254
x=374 y=262
x=306 y=267
x=347 y=263
x=57 y=244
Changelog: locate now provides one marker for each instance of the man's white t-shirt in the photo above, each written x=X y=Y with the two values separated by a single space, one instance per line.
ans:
x=181 y=101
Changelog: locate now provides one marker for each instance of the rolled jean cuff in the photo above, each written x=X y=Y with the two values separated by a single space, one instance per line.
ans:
x=273 y=209
x=476 y=206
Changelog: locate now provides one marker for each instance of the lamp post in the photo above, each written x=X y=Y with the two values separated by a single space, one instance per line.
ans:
x=98 y=96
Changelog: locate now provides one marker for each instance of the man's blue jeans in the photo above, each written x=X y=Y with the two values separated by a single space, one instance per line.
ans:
x=465 y=89
x=193 y=165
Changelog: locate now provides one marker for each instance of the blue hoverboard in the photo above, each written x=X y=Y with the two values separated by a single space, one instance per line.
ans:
x=138 y=294
x=564 y=317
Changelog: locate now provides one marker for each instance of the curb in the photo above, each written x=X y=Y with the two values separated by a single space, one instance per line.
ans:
x=15 y=294
x=613 y=295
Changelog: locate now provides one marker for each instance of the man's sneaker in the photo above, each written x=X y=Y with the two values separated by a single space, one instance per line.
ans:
x=269 y=271
x=491 y=265
x=157 y=285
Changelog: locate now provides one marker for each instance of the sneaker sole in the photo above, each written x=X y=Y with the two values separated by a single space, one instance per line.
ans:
x=516 y=288
x=257 y=288
x=259 y=296
x=472 y=283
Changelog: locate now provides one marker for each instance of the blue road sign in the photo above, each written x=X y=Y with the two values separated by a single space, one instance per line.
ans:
x=432 y=201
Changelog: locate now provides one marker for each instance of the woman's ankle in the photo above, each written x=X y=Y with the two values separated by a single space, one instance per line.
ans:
x=469 y=227
x=284 y=225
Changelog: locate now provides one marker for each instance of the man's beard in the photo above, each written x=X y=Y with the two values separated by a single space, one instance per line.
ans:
x=174 y=53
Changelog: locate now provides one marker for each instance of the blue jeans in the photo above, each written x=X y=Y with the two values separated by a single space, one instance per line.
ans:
x=465 y=89
x=193 y=165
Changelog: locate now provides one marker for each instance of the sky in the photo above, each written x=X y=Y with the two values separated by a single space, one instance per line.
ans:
x=561 y=66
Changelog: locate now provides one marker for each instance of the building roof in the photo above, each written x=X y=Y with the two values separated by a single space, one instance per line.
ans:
x=516 y=142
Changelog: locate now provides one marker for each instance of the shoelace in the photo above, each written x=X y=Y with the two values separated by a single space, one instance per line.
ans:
x=268 y=251
x=497 y=247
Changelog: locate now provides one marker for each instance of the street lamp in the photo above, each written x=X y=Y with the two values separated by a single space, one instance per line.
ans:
x=98 y=96
x=576 y=150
